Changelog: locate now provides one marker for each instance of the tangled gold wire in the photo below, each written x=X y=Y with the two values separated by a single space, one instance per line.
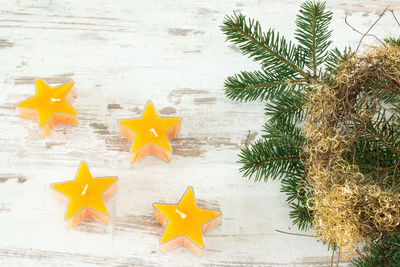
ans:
x=347 y=207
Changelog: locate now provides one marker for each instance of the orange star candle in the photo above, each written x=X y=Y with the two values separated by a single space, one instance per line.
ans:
x=150 y=134
x=50 y=106
x=85 y=196
x=185 y=223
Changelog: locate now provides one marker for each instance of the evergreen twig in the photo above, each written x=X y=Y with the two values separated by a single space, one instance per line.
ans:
x=313 y=34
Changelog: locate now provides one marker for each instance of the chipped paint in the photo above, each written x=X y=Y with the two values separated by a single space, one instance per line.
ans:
x=183 y=32
x=4 y=177
x=167 y=111
x=56 y=79
x=205 y=100
x=249 y=138
x=176 y=96
x=195 y=147
x=50 y=145
x=5 y=44
x=114 y=106
x=138 y=222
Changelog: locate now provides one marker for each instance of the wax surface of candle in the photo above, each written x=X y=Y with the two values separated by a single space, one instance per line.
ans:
x=150 y=134
x=50 y=106
x=85 y=196
x=185 y=223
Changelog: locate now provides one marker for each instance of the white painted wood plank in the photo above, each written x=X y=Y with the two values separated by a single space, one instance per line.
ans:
x=120 y=54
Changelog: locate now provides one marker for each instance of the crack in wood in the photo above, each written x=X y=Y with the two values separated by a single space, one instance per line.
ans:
x=182 y=146
x=192 y=51
x=51 y=256
x=61 y=28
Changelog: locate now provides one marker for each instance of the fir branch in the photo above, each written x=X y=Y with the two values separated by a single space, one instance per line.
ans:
x=392 y=41
x=286 y=108
x=366 y=152
x=334 y=58
x=269 y=158
x=313 y=34
x=288 y=74
x=300 y=216
x=294 y=186
x=384 y=90
x=274 y=52
x=374 y=160
x=382 y=130
x=249 y=86
x=384 y=252
x=290 y=186
x=287 y=131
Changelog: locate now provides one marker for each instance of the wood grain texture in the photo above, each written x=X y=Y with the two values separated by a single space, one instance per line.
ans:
x=120 y=54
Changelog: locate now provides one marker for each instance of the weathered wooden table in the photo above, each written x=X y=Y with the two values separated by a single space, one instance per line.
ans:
x=120 y=55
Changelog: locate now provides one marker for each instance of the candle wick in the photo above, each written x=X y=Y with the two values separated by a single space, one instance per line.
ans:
x=183 y=215
x=154 y=131
x=54 y=99
x=84 y=190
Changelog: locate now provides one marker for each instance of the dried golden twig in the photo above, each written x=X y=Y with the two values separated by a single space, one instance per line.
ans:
x=357 y=31
x=347 y=207
x=370 y=28
x=288 y=233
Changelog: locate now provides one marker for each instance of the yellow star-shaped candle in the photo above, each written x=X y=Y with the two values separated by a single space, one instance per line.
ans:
x=50 y=106
x=185 y=223
x=150 y=134
x=85 y=196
